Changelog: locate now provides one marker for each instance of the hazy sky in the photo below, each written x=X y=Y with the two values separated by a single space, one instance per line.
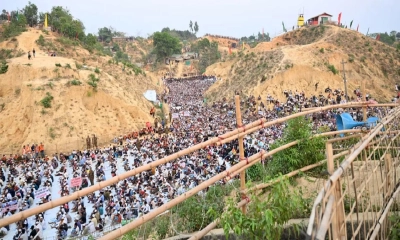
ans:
x=230 y=18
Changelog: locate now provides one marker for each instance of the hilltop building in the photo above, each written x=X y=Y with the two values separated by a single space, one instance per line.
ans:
x=319 y=19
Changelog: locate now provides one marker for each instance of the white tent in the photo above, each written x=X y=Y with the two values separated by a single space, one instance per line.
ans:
x=151 y=95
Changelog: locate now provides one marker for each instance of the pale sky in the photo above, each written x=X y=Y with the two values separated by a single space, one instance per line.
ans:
x=224 y=17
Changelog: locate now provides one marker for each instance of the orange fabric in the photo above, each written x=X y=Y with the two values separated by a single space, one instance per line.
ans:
x=41 y=147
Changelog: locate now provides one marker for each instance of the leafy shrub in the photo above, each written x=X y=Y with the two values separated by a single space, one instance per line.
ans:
x=93 y=81
x=46 y=101
x=306 y=152
x=332 y=69
x=68 y=66
x=265 y=218
x=3 y=67
x=322 y=50
x=97 y=71
x=201 y=205
x=256 y=172
x=78 y=66
x=58 y=65
x=75 y=82
x=41 y=41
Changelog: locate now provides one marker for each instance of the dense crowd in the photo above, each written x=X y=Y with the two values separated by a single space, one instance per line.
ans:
x=38 y=178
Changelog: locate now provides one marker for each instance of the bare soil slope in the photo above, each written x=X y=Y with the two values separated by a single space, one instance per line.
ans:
x=77 y=109
x=300 y=59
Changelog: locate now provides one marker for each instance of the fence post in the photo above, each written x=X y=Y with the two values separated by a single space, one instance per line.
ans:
x=241 y=150
x=388 y=170
x=364 y=97
x=338 y=219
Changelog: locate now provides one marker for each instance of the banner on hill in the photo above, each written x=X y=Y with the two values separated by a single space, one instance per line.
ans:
x=283 y=25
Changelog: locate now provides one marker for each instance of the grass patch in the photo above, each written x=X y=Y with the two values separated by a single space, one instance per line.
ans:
x=58 y=65
x=75 y=82
x=322 y=50
x=332 y=69
x=46 y=101
x=67 y=66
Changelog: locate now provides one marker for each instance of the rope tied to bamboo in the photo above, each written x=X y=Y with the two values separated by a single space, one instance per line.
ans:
x=219 y=140
x=245 y=197
x=262 y=123
x=242 y=126
x=245 y=159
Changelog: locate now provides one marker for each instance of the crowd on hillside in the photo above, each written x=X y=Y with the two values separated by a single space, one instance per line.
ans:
x=38 y=178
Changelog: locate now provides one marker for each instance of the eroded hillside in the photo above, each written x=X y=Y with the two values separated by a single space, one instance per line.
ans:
x=300 y=59
x=87 y=93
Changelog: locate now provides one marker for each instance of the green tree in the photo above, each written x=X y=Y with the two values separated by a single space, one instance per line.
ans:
x=191 y=26
x=165 y=45
x=196 y=27
x=31 y=14
x=4 y=15
x=64 y=23
x=305 y=153
x=208 y=53
x=105 y=34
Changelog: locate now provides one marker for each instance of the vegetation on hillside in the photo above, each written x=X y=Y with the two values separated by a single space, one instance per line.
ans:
x=181 y=35
x=208 y=53
x=247 y=70
x=165 y=45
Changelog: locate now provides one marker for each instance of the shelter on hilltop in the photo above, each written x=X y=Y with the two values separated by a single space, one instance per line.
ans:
x=319 y=19
x=123 y=39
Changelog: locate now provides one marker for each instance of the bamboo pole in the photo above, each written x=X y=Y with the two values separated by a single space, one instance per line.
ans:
x=364 y=98
x=143 y=219
x=241 y=149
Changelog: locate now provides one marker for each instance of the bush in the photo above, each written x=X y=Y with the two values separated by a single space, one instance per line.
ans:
x=58 y=65
x=211 y=202
x=78 y=66
x=41 y=41
x=322 y=50
x=46 y=101
x=306 y=152
x=97 y=71
x=266 y=216
x=332 y=69
x=68 y=66
x=75 y=82
x=3 y=67
x=256 y=172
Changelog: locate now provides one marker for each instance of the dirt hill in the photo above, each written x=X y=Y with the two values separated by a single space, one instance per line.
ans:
x=302 y=58
x=77 y=110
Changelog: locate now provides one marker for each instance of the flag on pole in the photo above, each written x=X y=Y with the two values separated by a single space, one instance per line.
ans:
x=378 y=37
x=367 y=32
x=284 y=29
x=357 y=27
x=45 y=21
x=263 y=33
x=339 y=18
x=8 y=15
x=351 y=23
x=16 y=15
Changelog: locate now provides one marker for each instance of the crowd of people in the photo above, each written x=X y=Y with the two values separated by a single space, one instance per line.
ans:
x=36 y=179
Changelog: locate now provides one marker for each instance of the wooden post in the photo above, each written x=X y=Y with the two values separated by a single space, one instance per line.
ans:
x=364 y=96
x=388 y=170
x=241 y=149
x=339 y=215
